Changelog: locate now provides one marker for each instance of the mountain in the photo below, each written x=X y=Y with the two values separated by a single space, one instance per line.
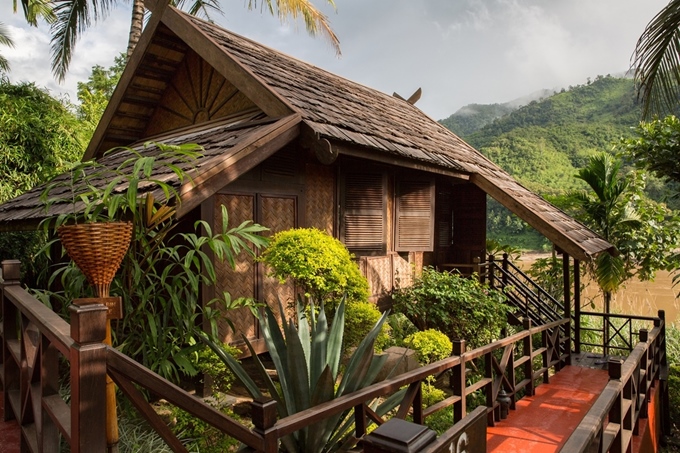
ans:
x=473 y=117
x=543 y=143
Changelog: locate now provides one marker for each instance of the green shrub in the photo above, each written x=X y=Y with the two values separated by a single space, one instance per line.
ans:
x=400 y=328
x=432 y=395
x=430 y=345
x=207 y=362
x=318 y=263
x=360 y=317
x=460 y=307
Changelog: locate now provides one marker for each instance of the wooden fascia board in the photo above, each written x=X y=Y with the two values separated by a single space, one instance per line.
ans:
x=222 y=170
x=549 y=231
x=236 y=73
x=31 y=224
x=311 y=141
x=133 y=63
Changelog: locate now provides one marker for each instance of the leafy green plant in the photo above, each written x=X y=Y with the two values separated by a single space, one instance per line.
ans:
x=462 y=308
x=400 y=328
x=89 y=200
x=307 y=360
x=163 y=272
x=320 y=264
x=208 y=363
x=360 y=317
x=430 y=345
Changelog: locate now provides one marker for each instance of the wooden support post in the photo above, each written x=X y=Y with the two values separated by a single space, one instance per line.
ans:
x=616 y=411
x=458 y=381
x=567 y=309
x=11 y=271
x=88 y=378
x=492 y=283
x=528 y=349
x=577 y=306
x=264 y=417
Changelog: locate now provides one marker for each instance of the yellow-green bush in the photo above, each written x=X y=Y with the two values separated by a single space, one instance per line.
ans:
x=320 y=264
x=360 y=317
x=430 y=345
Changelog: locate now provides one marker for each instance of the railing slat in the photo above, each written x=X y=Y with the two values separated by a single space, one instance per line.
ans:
x=136 y=373
x=60 y=413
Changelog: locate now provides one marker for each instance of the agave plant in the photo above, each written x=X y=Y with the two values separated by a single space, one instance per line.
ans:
x=307 y=360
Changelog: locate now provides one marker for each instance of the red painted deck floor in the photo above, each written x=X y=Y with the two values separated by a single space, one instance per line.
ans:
x=543 y=422
x=9 y=433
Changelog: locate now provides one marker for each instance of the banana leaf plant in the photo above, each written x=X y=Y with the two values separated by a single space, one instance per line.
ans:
x=307 y=359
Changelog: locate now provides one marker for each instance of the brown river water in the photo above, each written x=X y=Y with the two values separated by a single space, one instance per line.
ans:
x=638 y=298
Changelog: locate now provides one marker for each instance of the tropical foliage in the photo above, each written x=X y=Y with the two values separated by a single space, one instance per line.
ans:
x=39 y=136
x=306 y=353
x=164 y=270
x=462 y=308
x=644 y=232
x=656 y=61
x=94 y=94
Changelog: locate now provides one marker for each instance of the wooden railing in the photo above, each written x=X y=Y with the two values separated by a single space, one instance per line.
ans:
x=611 y=333
x=34 y=338
x=614 y=418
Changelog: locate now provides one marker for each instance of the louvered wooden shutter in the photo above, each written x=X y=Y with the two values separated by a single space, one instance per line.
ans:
x=363 y=211
x=414 y=226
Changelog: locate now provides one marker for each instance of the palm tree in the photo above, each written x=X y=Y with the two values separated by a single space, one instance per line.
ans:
x=73 y=17
x=608 y=210
x=5 y=40
x=656 y=61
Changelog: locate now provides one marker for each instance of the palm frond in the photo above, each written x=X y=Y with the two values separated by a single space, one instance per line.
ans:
x=5 y=38
x=34 y=9
x=656 y=61
x=72 y=17
x=315 y=21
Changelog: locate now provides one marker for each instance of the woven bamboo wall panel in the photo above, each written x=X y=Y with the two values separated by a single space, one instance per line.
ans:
x=196 y=94
x=320 y=197
x=240 y=281
x=403 y=270
x=278 y=214
x=378 y=272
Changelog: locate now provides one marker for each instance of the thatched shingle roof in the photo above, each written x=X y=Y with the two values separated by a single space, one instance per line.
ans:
x=327 y=110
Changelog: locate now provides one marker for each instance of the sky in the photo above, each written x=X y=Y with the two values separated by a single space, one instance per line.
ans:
x=458 y=51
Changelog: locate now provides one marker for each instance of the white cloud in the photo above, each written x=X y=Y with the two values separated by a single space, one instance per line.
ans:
x=459 y=52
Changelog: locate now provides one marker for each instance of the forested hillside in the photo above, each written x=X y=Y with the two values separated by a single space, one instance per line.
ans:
x=544 y=143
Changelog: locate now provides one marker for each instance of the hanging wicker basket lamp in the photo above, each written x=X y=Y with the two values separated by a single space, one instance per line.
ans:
x=97 y=249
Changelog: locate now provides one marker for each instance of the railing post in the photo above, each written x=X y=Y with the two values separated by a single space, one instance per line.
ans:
x=492 y=283
x=458 y=381
x=476 y=268
x=528 y=350
x=11 y=274
x=88 y=378
x=264 y=417
x=567 y=305
x=577 y=306
x=505 y=269
x=663 y=377
x=616 y=411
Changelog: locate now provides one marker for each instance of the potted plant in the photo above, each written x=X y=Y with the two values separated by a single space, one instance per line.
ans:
x=92 y=205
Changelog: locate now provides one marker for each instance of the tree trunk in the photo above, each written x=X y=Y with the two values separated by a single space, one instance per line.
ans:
x=136 y=24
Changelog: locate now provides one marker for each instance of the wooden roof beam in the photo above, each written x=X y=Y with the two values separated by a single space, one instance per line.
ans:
x=555 y=236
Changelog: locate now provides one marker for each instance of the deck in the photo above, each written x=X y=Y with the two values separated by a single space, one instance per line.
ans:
x=539 y=424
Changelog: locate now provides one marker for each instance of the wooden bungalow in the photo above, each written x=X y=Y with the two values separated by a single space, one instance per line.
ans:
x=290 y=145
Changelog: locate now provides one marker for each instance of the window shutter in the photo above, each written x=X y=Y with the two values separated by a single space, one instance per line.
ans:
x=363 y=213
x=415 y=216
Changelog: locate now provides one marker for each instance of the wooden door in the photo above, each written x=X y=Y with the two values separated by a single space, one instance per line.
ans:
x=248 y=278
